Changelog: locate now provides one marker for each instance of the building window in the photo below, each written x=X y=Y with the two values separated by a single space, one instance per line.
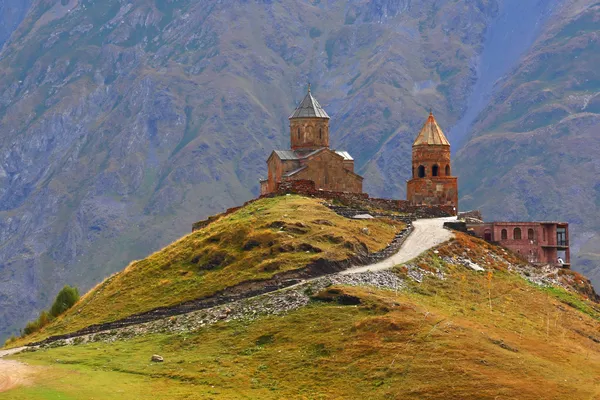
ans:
x=504 y=234
x=421 y=171
x=447 y=170
x=435 y=171
x=298 y=133
x=517 y=234
x=530 y=234
x=320 y=133
x=544 y=233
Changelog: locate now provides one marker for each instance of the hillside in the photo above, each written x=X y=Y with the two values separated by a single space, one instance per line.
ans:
x=533 y=153
x=264 y=238
x=123 y=122
x=430 y=329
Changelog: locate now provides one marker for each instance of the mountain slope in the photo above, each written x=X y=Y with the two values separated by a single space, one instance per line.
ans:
x=454 y=333
x=123 y=122
x=533 y=151
x=12 y=13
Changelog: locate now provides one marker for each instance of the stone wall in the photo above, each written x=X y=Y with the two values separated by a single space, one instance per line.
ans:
x=471 y=215
x=329 y=172
x=362 y=200
x=433 y=191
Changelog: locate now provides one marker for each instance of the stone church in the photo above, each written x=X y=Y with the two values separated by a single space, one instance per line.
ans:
x=432 y=182
x=310 y=157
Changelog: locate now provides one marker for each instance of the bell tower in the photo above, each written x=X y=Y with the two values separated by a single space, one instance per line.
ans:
x=432 y=182
x=309 y=125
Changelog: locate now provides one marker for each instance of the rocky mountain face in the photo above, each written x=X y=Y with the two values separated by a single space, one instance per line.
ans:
x=533 y=150
x=12 y=13
x=124 y=122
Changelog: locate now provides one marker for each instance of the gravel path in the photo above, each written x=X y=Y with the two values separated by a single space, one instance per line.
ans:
x=13 y=373
x=427 y=233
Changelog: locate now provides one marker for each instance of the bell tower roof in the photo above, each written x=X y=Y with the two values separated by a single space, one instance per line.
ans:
x=431 y=134
x=309 y=108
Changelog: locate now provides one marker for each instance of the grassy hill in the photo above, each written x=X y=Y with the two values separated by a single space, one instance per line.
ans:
x=122 y=121
x=455 y=334
x=262 y=239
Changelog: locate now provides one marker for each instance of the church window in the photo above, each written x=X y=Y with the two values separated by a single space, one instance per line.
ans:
x=298 y=133
x=435 y=171
x=447 y=170
x=517 y=234
x=320 y=133
x=530 y=234
x=504 y=234
x=421 y=171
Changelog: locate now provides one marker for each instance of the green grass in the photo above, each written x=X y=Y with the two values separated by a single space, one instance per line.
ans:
x=254 y=243
x=439 y=345
x=468 y=336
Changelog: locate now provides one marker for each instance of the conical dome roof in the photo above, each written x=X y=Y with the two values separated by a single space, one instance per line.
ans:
x=431 y=134
x=309 y=108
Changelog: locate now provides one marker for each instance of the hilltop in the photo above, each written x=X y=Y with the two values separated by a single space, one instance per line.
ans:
x=466 y=319
x=253 y=244
x=121 y=121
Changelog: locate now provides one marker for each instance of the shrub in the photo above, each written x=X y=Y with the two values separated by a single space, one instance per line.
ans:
x=65 y=299
x=33 y=326
x=10 y=340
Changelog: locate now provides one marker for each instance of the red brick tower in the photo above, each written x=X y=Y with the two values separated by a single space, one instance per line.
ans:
x=432 y=182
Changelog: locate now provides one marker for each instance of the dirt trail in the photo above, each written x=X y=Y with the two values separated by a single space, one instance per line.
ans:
x=14 y=373
x=427 y=233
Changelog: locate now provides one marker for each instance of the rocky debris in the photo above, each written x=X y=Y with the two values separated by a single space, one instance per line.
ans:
x=363 y=216
x=157 y=358
x=469 y=264
x=274 y=303
x=365 y=231
x=417 y=273
x=323 y=222
x=503 y=345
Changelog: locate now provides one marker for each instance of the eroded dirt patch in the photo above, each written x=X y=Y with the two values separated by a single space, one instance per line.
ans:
x=14 y=374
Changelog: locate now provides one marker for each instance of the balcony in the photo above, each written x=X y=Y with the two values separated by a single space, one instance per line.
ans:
x=559 y=243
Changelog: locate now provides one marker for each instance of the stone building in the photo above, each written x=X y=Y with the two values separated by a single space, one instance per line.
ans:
x=310 y=157
x=536 y=242
x=432 y=182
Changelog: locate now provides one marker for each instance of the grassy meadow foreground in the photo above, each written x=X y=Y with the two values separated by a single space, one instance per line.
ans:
x=458 y=334
x=256 y=242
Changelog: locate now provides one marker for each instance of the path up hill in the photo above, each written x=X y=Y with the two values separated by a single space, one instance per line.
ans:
x=263 y=239
x=121 y=120
x=433 y=328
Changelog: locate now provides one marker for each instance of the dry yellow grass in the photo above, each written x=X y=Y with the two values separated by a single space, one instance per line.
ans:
x=467 y=336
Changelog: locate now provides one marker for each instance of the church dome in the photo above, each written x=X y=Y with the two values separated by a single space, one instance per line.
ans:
x=309 y=108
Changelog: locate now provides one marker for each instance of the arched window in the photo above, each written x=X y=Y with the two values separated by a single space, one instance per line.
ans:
x=298 y=133
x=504 y=234
x=487 y=235
x=435 y=171
x=447 y=170
x=517 y=234
x=530 y=234
x=421 y=171
x=320 y=133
